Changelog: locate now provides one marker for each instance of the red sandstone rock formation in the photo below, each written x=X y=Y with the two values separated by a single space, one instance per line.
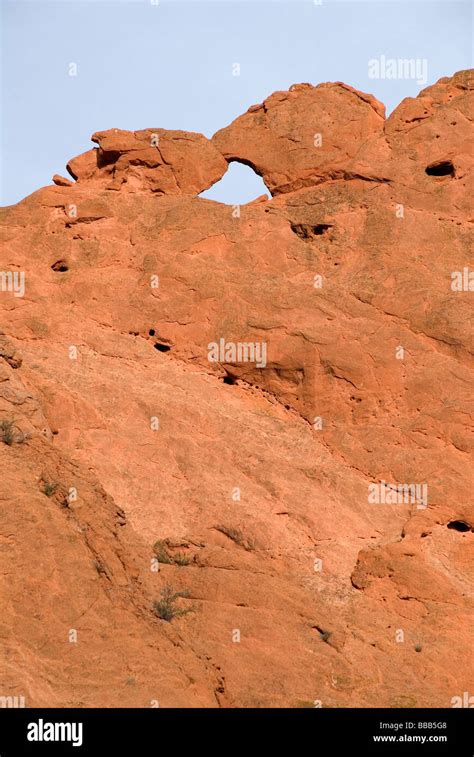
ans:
x=256 y=480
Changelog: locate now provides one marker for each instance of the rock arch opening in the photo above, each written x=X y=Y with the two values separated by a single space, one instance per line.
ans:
x=239 y=185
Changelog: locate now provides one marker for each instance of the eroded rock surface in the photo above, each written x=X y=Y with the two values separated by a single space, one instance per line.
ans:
x=254 y=479
x=156 y=160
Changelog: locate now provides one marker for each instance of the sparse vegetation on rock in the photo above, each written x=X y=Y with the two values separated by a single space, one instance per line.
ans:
x=166 y=607
x=237 y=536
x=10 y=433
x=50 y=487
x=166 y=557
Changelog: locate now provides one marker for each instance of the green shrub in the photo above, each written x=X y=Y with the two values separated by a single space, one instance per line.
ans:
x=10 y=433
x=166 y=558
x=166 y=609
x=161 y=552
x=50 y=488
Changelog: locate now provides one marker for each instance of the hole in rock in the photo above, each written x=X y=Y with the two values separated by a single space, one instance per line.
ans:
x=229 y=379
x=308 y=231
x=239 y=185
x=151 y=332
x=106 y=158
x=60 y=266
x=442 y=168
x=459 y=525
x=162 y=347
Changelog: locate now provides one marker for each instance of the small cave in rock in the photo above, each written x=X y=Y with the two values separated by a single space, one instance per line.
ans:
x=307 y=232
x=459 y=525
x=151 y=332
x=60 y=266
x=441 y=168
x=161 y=347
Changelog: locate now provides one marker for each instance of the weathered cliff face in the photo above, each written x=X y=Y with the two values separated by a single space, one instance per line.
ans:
x=347 y=301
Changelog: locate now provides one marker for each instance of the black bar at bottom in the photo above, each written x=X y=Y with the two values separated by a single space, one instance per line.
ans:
x=375 y=731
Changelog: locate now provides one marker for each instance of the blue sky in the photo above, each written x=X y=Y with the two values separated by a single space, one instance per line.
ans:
x=170 y=65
